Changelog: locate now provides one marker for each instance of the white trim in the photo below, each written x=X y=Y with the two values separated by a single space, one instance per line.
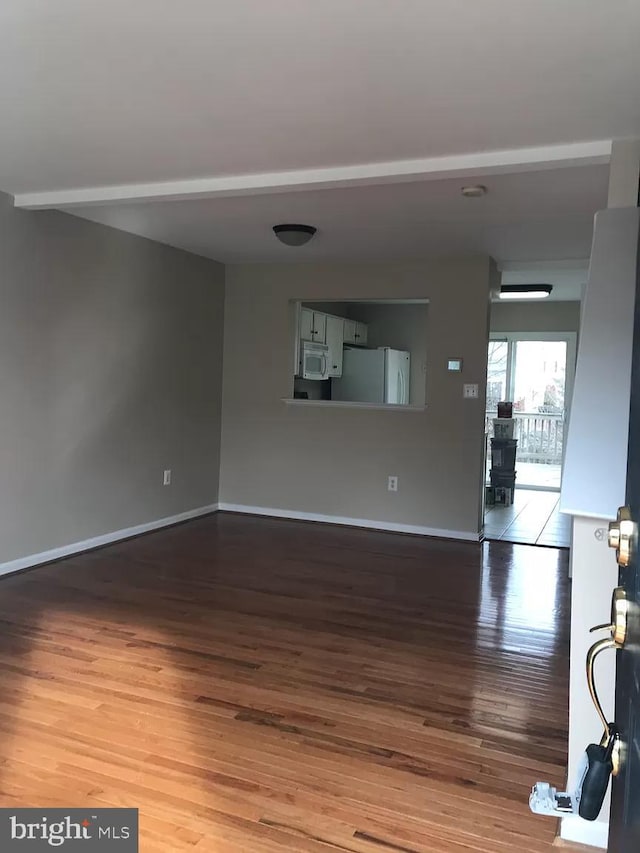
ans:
x=580 y=264
x=474 y=164
x=390 y=526
x=534 y=336
x=345 y=404
x=580 y=513
x=104 y=539
x=579 y=831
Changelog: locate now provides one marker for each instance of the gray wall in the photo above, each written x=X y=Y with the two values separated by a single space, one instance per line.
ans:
x=110 y=371
x=333 y=460
x=535 y=316
x=401 y=327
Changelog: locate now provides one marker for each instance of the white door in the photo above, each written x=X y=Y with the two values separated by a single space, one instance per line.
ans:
x=335 y=340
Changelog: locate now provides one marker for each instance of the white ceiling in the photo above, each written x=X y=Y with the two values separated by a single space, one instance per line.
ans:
x=153 y=90
x=546 y=215
x=125 y=93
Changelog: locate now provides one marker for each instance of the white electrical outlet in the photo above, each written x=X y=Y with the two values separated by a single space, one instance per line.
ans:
x=166 y=479
x=470 y=392
x=392 y=484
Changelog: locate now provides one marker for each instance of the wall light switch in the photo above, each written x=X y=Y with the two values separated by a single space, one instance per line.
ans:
x=166 y=477
x=470 y=392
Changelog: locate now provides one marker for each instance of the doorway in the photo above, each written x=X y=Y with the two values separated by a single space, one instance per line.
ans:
x=535 y=371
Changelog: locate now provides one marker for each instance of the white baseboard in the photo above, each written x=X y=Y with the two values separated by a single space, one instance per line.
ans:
x=391 y=526
x=127 y=532
x=579 y=831
x=104 y=539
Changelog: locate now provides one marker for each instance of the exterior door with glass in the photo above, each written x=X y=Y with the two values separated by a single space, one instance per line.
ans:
x=535 y=372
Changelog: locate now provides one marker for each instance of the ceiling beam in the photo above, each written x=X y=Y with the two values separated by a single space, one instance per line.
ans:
x=475 y=165
x=568 y=264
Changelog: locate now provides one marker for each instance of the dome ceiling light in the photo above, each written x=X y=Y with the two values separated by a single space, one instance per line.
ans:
x=474 y=191
x=294 y=235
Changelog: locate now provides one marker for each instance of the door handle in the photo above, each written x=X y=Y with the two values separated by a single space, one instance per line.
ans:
x=600 y=761
x=592 y=654
x=618 y=630
x=622 y=533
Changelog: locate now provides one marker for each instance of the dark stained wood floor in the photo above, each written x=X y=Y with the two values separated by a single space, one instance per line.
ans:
x=261 y=685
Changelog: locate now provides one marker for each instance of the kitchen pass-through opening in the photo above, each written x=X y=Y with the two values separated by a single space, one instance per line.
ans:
x=369 y=352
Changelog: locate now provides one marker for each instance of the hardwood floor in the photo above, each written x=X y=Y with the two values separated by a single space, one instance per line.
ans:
x=260 y=685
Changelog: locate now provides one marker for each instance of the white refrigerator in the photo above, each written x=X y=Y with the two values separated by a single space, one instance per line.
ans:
x=373 y=376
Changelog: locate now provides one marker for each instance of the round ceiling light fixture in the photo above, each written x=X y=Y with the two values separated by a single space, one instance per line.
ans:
x=474 y=191
x=294 y=235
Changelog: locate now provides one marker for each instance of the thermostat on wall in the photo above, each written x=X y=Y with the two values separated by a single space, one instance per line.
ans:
x=454 y=364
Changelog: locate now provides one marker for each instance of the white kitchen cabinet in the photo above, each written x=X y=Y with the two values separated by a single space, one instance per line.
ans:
x=319 y=330
x=335 y=340
x=313 y=325
x=361 y=334
x=355 y=333
x=349 y=331
x=306 y=324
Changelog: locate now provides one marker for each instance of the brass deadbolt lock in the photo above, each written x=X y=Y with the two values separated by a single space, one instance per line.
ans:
x=622 y=532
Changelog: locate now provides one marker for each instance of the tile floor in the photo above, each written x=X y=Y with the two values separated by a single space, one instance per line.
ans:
x=532 y=519
x=534 y=474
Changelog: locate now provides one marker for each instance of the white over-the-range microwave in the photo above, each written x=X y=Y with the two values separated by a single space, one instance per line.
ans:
x=314 y=360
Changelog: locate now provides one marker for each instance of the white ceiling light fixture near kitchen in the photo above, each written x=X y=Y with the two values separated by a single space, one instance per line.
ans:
x=525 y=291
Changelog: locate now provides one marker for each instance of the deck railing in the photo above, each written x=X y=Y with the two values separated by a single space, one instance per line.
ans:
x=540 y=436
